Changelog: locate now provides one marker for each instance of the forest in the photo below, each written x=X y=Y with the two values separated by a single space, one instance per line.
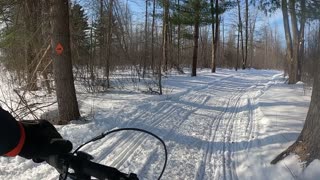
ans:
x=54 y=52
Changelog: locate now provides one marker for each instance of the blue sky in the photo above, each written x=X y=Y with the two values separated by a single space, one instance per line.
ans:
x=275 y=21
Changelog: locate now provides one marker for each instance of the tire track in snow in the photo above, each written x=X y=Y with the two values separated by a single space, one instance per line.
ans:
x=130 y=146
x=250 y=128
x=133 y=146
x=228 y=165
x=233 y=102
x=222 y=121
x=234 y=134
x=124 y=139
x=208 y=148
x=214 y=126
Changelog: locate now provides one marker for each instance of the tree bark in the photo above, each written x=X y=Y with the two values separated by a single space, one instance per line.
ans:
x=213 y=63
x=165 y=33
x=216 y=39
x=247 y=35
x=295 y=45
x=179 y=38
x=307 y=146
x=252 y=29
x=265 y=47
x=152 y=35
x=164 y=42
x=301 y=39
x=289 y=51
x=223 y=41
x=91 y=63
x=109 y=42
x=102 y=40
x=62 y=65
x=238 y=47
x=241 y=35
x=196 y=38
x=145 y=41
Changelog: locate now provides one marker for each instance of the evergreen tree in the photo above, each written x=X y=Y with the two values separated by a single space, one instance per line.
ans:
x=196 y=13
x=21 y=38
x=80 y=44
x=193 y=13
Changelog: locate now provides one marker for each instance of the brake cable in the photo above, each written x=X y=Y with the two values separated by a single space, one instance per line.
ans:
x=103 y=135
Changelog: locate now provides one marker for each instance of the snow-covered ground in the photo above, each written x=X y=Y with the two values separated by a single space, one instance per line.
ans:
x=227 y=125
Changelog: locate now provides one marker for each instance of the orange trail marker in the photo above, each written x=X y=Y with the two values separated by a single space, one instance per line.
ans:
x=59 y=49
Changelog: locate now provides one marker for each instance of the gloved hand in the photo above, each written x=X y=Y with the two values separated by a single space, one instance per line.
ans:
x=42 y=140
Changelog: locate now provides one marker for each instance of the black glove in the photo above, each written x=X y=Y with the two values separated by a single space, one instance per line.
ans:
x=42 y=140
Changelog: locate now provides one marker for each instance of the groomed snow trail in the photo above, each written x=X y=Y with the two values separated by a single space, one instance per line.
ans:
x=211 y=124
x=203 y=126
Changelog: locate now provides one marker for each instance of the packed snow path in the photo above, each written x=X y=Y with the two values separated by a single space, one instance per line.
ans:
x=203 y=127
x=212 y=124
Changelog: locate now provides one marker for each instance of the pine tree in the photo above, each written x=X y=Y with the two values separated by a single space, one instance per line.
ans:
x=80 y=44
x=193 y=13
x=197 y=13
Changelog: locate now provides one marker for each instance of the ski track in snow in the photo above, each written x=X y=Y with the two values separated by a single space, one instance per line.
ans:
x=205 y=127
x=218 y=161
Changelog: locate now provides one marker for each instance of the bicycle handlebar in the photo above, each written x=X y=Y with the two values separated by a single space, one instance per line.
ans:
x=84 y=168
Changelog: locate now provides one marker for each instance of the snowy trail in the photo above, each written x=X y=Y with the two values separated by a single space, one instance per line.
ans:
x=212 y=124
x=221 y=101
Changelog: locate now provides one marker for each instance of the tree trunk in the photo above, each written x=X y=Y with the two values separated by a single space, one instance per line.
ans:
x=179 y=38
x=109 y=43
x=213 y=63
x=170 y=44
x=145 y=42
x=152 y=35
x=266 y=47
x=215 y=34
x=195 y=50
x=318 y=46
x=196 y=38
x=102 y=40
x=164 y=42
x=307 y=145
x=216 y=38
x=295 y=45
x=91 y=63
x=62 y=65
x=46 y=81
x=247 y=34
x=238 y=47
x=284 y=7
x=223 y=42
x=45 y=30
x=301 y=39
x=241 y=35
x=165 y=33
x=252 y=29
